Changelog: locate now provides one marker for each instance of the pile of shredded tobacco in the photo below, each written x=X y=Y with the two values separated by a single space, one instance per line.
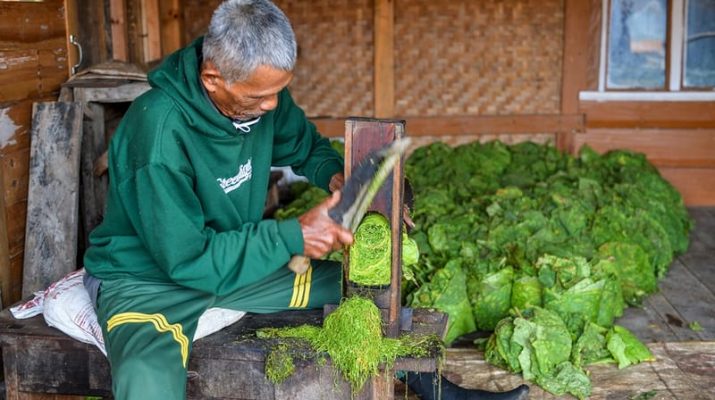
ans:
x=352 y=338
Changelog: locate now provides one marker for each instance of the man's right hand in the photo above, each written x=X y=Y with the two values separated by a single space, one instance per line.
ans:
x=320 y=233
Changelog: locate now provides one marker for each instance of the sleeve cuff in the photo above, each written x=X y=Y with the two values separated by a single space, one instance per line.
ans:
x=326 y=171
x=292 y=235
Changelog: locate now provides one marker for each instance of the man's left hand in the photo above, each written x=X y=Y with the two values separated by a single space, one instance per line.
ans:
x=336 y=182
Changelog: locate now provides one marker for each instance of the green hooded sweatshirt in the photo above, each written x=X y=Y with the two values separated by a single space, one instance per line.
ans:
x=187 y=189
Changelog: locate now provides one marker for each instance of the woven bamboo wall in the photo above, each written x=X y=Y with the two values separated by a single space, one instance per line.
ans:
x=482 y=57
x=335 y=58
x=334 y=76
x=452 y=57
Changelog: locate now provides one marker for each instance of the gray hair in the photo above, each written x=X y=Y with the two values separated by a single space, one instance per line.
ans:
x=246 y=34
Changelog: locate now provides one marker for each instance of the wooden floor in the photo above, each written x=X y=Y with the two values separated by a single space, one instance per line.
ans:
x=685 y=366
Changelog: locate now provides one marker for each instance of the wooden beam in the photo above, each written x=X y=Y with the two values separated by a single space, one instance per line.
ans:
x=151 y=32
x=696 y=185
x=118 y=20
x=472 y=125
x=384 y=58
x=171 y=25
x=658 y=114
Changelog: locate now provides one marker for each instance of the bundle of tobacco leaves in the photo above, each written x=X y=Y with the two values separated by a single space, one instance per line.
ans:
x=513 y=238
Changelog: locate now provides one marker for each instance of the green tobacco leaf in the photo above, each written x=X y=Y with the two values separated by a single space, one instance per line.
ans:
x=626 y=348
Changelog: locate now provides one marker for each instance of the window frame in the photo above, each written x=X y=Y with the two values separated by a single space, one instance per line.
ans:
x=673 y=90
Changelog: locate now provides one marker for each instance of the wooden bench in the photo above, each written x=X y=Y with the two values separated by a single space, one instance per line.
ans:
x=228 y=364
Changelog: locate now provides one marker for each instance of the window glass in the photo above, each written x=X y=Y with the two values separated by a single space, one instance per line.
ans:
x=637 y=43
x=700 y=44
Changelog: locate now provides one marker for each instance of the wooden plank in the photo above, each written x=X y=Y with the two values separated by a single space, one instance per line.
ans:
x=16 y=262
x=15 y=218
x=118 y=19
x=704 y=226
x=594 y=44
x=693 y=300
x=15 y=175
x=151 y=32
x=647 y=324
x=696 y=185
x=649 y=114
x=683 y=371
x=29 y=26
x=171 y=25
x=671 y=317
x=700 y=262
x=51 y=234
x=73 y=30
x=690 y=148
x=15 y=121
x=120 y=94
x=384 y=37
x=4 y=252
x=32 y=73
x=471 y=125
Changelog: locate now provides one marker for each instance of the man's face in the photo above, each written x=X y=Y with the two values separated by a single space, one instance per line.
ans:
x=247 y=99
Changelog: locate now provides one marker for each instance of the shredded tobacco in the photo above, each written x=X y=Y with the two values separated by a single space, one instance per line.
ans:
x=352 y=337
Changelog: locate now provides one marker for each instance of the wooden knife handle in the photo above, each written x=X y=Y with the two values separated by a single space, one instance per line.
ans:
x=299 y=264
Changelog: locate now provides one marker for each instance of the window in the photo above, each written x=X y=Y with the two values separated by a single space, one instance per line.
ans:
x=657 y=50
x=699 y=49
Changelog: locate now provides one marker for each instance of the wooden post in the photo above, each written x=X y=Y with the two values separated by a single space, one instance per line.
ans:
x=579 y=31
x=4 y=247
x=384 y=58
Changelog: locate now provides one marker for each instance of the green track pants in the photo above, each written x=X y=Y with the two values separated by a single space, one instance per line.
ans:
x=149 y=327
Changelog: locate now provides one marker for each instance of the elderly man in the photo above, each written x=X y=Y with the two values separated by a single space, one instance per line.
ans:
x=189 y=168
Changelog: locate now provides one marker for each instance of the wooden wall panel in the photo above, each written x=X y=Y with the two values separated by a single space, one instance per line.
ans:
x=28 y=73
x=653 y=114
x=33 y=64
x=31 y=26
x=696 y=185
x=686 y=158
x=663 y=147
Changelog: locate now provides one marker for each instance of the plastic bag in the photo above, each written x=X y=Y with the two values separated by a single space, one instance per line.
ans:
x=66 y=305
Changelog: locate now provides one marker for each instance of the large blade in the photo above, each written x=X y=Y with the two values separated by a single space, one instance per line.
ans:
x=364 y=183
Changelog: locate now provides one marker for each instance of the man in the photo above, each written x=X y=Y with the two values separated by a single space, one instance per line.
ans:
x=189 y=170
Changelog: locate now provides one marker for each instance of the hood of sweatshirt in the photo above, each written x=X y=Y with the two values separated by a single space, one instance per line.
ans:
x=179 y=77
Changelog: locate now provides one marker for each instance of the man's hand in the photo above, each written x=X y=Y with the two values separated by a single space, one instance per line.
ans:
x=336 y=182
x=320 y=233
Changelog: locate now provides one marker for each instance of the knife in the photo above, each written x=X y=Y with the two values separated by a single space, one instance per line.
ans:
x=359 y=191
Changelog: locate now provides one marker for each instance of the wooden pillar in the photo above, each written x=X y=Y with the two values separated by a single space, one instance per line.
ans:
x=384 y=58
x=581 y=37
